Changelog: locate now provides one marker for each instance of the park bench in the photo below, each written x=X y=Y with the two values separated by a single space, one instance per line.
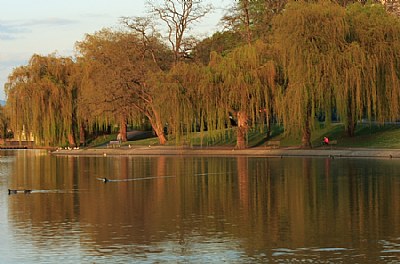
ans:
x=114 y=144
x=274 y=143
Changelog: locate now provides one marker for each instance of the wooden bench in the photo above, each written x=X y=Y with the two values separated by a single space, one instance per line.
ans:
x=113 y=144
x=274 y=143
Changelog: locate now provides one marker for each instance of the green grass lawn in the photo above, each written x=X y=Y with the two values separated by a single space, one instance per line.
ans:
x=366 y=136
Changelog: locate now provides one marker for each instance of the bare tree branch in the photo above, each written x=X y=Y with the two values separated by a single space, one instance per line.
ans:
x=178 y=16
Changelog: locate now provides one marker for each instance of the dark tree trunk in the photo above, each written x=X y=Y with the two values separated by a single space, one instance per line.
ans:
x=350 y=126
x=351 y=123
x=306 y=139
x=82 y=134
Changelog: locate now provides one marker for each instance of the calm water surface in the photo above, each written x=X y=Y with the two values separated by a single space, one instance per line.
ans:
x=198 y=209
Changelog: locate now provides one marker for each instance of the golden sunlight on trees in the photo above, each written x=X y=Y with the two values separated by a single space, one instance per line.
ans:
x=188 y=83
x=340 y=60
x=309 y=38
x=4 y=120
x=298 y=64
x=120 y=80
x=244 y=81
x=42 y=100
x=373 y=91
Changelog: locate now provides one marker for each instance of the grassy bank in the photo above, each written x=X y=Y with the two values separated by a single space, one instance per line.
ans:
x=367 y=136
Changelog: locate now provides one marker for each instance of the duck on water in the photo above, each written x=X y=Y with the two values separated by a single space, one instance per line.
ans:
x=12 y=191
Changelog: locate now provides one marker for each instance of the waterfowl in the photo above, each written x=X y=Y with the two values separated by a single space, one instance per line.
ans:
x=12 y=191
x=105 y=180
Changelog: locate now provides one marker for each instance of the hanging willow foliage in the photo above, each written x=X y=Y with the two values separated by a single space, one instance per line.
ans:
x=309 y=38
x=243 y=86
x=186 y=83
x=374 y=90
x=332 y=59
x=40 y=99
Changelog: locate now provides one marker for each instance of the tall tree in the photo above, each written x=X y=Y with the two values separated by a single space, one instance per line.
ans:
x=220 y=42
x=179 y=16
x=252 y=18
x=4 y=123
x=121 y=80
x=243 y=84
x=309 y=38
x=374 y=91
x=41 y=99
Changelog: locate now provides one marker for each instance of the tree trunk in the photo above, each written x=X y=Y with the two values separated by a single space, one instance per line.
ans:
x=71 y=140
x=351 y=124
x=242 y=130
x=351 y=127
x=306 y=139
x=123 y=130
x=159 y=129
x=157 y=126
x=82 y=134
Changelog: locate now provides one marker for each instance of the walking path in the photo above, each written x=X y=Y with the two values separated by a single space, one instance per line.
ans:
x=226 y=151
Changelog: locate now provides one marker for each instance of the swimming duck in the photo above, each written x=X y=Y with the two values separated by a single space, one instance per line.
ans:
x=27 y=191
x=105 y=180
x=12 y=191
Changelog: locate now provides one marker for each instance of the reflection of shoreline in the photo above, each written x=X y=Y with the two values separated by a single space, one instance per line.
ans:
x=260 y=151
x=266 y=209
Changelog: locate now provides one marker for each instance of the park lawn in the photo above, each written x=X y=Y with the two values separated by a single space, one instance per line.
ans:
x=366 y=136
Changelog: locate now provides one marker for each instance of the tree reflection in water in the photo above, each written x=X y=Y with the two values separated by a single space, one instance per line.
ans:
x=259 y=208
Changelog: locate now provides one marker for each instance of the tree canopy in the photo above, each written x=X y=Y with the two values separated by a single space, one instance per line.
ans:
x=292 y=63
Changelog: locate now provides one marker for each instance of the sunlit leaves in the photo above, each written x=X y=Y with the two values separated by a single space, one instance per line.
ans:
x=41 y=99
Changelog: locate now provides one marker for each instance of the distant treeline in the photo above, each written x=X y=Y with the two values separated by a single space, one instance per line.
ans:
x=296 y=63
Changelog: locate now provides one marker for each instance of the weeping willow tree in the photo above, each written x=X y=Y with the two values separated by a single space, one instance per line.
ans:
x=309 y=39
x=243 y=87
x=187 y=84
x=4 y=121
x=372 y=88
x=41 y=100
x=120 y=80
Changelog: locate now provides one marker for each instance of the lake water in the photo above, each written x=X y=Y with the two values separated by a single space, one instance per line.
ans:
x=173 y=209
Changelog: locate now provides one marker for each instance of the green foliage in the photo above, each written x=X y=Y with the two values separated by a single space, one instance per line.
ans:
x=321 y=58
x=309 y=38
x=41 y=99
x=242 y=86
x=123 y=79
x=340 y=60
x=220 y=42
x=378 y=36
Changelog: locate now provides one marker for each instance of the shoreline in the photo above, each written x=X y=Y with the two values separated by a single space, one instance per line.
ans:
x=229 y=151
